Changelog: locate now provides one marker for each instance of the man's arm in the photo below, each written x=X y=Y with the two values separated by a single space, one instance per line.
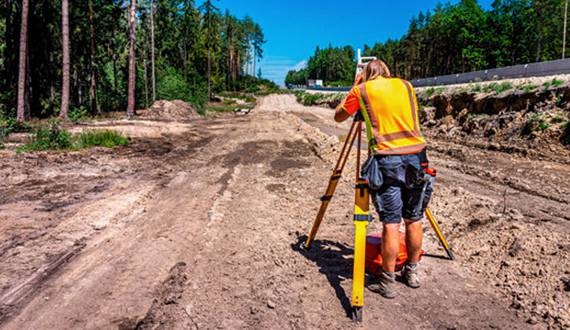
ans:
x=341 y=114
x=351 y=103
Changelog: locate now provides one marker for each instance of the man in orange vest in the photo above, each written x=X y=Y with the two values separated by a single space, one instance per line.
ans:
x=390 y=110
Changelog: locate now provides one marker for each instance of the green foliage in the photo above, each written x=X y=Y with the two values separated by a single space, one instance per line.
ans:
x=542 y=126
x=52 y=137
x=498 y=87
x=492 y=87
x=433 y=91
x=557 y=119
x=332 y=64
x=228 y=108
x=553 y=83
x=248 y=98
x=106 y=138
x=11 y=125
x=77 y=114
x=528 y=87
x=477 y=88
x=184 y=35
x=463 y=37
x=537 y=123
x=173 y=86
x=311 y=99
x=299 y=77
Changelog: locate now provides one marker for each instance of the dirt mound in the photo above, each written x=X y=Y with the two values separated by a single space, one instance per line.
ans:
x=532 y=122
x=170 y=110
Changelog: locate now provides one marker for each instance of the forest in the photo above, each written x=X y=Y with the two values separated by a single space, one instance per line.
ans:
x=456 y=38
x=69 y=58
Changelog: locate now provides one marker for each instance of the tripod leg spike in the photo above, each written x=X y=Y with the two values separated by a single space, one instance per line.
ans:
x=357 y=314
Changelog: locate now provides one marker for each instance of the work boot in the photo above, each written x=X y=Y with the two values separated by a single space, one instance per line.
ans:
x=410 y=275
x=384 y=285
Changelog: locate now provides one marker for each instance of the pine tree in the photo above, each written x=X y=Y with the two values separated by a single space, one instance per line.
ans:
x=21 y=112
x=66 y=62
x=132 y=43
x=209 y=22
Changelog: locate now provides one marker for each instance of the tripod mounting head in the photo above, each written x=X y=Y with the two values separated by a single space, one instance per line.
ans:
x=358 y=116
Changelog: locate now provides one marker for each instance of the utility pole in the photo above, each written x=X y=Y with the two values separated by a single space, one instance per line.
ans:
x=565 y=29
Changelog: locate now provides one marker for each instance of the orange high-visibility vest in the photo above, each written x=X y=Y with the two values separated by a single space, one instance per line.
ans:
x=390 y=109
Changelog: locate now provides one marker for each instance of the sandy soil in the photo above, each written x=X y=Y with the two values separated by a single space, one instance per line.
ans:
x=197 y=225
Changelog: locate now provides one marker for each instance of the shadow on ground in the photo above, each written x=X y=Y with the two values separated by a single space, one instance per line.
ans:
x=334 y=261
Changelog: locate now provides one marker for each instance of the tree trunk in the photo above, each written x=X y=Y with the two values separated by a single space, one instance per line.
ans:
x=539 y=46
x=114 y=57
x=145 y=80
x=254 y=60
x=93 y=72
x=65 y=69
x=132 y=41
x=565 y=29
x=21 y=112
x=209 y=74
x=153 y=72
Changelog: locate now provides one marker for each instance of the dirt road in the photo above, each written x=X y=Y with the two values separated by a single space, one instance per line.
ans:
x=196 y=225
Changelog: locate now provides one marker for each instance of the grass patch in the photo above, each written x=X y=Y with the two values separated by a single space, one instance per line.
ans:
x=476 y=88
x=78 y=114
x=434 y=91
x=553 y=83
x=106 y=138
x=542 y=126
x=498 y=87
x=11 y=125
x=537 y=123
x=529 y=87
x=248 y=98
x=228 y=108
x=311 y=99
x=53 y=137
x=557 y=119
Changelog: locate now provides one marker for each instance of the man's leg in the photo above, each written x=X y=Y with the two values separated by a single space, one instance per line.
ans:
x=414 y=237
x=389 y=205
x=414 y=240
x=390 y=246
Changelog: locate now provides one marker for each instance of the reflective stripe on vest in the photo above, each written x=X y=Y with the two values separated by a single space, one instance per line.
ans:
x=373 y=128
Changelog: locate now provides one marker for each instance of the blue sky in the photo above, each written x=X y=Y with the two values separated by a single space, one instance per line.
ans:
x=293 y=28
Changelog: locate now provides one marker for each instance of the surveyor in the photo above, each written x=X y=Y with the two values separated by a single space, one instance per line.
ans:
x=390 y=110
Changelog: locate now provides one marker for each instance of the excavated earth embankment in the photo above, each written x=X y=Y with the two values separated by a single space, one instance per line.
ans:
x=531 y=122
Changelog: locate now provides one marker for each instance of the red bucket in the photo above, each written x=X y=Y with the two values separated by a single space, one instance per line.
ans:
x=374 y=253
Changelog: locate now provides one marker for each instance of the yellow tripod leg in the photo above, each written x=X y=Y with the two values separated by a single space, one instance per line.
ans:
x=333 y=182
x=442 y=239
x=361 y=220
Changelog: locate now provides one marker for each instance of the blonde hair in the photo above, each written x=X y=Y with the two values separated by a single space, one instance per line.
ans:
x=375 y=69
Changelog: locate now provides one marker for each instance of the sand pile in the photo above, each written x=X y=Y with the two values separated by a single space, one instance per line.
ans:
x=171 y=110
